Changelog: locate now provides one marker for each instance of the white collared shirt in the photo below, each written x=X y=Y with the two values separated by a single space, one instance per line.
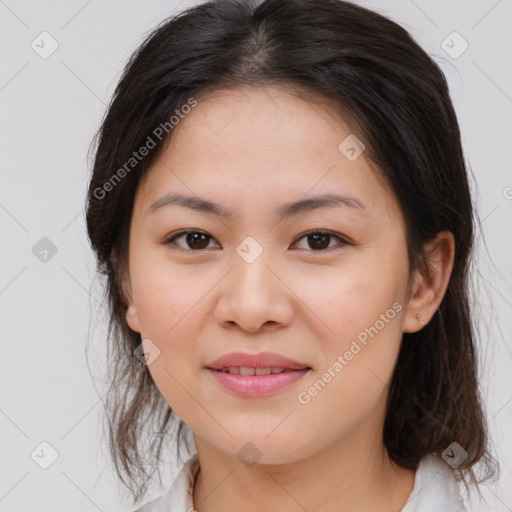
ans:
x=435 y=489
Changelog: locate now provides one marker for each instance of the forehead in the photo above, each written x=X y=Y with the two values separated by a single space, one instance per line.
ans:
x=255 y=117
x=261 y=143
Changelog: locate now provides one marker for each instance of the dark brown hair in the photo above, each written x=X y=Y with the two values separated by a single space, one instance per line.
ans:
x=397 y=98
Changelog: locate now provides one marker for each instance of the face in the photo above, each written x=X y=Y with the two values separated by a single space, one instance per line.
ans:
x=324 y=285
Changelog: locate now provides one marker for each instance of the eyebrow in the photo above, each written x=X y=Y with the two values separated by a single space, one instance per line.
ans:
x=285 y=210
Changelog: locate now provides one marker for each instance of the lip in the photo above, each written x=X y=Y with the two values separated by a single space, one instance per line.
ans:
x=261 y=360
x=257 y=385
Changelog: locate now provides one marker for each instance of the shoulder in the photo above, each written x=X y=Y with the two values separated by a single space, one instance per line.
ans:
x=179 y=497
x=435 y=488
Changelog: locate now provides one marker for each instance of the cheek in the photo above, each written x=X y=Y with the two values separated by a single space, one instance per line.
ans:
x=359 y=360
x=166 y=295
x=168 y=309
x=349 y=300
x=172 y=304
x=359 y=319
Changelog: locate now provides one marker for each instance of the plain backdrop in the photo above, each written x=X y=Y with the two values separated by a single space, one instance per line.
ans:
x=50 y=303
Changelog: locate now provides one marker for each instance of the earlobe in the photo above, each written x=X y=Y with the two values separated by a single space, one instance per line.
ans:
x=131 y=315
x=132 y=318
x=429 y=290
x=418 y=310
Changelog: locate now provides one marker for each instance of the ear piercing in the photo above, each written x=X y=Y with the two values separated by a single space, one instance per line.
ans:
x=420 y=319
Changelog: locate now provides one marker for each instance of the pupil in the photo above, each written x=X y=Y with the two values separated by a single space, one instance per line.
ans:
x=192 y=239
x=317 y=237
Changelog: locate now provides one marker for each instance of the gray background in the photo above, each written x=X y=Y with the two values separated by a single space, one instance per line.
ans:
x=49 y=110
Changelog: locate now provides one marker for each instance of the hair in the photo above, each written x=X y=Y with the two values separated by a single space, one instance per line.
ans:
x=397 y=99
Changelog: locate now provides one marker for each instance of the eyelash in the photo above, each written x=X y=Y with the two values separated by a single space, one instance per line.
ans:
x=170 y=240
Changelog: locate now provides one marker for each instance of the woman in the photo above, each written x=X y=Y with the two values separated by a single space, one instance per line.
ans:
x=280 y=206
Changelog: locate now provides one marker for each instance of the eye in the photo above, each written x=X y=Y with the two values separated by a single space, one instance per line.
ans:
x=197 y=240
x=320 y=240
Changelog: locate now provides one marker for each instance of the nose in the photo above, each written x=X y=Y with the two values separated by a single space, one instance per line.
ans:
x=255 y=297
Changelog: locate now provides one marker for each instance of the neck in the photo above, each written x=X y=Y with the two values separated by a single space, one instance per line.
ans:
x=355 y=473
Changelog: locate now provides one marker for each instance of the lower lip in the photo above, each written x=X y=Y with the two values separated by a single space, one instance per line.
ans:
x=257 y=385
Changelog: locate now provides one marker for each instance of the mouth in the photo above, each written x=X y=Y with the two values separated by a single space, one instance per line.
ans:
x=256 y=375
x=248 y=382
x=264 y=363
x=246 y=370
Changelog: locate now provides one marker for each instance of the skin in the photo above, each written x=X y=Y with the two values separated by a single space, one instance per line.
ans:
x=252 y=150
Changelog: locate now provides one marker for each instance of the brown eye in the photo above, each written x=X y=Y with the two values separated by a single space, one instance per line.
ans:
x=320 y=240
x=197 y=240
x=194 y=240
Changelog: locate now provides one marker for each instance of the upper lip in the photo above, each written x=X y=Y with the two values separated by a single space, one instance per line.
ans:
x=261 y=360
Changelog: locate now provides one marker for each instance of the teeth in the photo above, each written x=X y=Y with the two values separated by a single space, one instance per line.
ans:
x=244 y=370
x=262 y=371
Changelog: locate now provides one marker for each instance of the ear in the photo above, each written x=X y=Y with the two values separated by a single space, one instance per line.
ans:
x=428 y=290
x=131 y=315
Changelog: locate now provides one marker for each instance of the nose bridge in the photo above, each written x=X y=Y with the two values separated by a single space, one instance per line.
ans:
x=254 y=296
x=252 y=273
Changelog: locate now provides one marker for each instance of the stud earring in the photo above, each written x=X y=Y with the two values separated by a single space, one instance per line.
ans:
x=420 y=319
